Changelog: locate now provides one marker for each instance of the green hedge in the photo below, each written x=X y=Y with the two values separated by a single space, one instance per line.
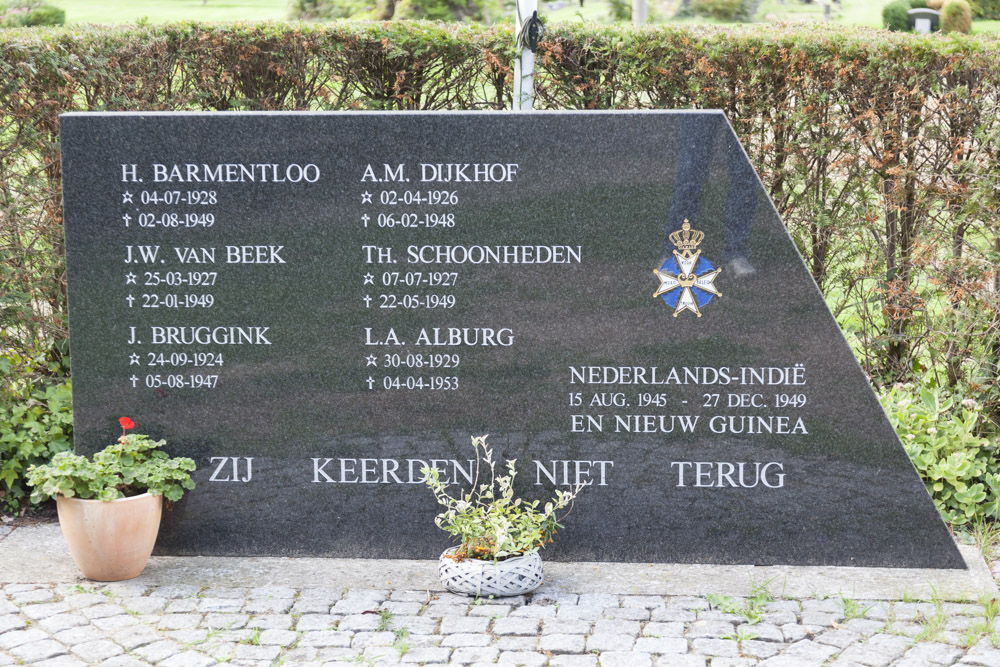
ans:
x=880 y=150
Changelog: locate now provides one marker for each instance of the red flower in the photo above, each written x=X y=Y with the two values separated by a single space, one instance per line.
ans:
x=126 y=423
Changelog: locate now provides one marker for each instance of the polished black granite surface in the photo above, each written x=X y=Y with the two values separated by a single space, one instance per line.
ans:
x=313 y=306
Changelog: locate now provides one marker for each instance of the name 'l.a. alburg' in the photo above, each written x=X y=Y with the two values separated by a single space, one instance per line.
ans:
x=444 y=337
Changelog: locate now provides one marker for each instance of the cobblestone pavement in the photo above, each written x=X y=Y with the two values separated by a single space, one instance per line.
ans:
x=128 y=624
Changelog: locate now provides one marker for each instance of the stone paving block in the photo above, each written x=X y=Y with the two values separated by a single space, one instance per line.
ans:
x=624 y=659
x=470 y=654
x=681 y=661
x=5 y=660
x=175 y=592
x=533 y=611
x=516 y=626
x=311 y=607
x=787 y=661
x=37 y=612
x=271 y=622
x=516 y=643
x=725 y=648
x=114 y=623
x=733 y=662
x=96 y=651
x=134 y=637
x=222 y=592
x=425 y=655
x=226 y=605
x=102 y=611
x=643 y=601
x=268 y=605
x=309 y=622
x=277 y=637
x=981 y=655
x=609 y=626
x=819 y=618
x=272 y=592
x=416 y=625
x=660 y=645
x=78 y=635
x=687 y=602
x=60 y=622
x=610 y=642
x=672 y=629
x=331 y=654
x=830 y=606
x=811 y=651
x=794 y=633
x=670 y=615
x=779 y=617
x=490 y=611
x=863 y=626
x=934 y=652
x=573 y=661
x=464 y=624
x=709 y=629
x=9 y=640
x=522 y=659
x=580 y=613
x=30 y=596
x=188 y=659
x=147 y=605
x=123 y=589
x=402 y=608
x=440 y=610
x=251 y=652
x=559 y=643
x=187 y=637
x=158 y=651
x=38 y=651
x=565 y=627
x=760 y=649
x=626 y=613
x=302 y=654
x=363 y=640
x=183 y=606
x=350 y=607
x=8 y=623
x=179 y=621
x=8 y=607
x=218 y=621
x=124 y=661
x=81 y=600
x=326 y=638
x=360 y=623
x=61 y=661
x=466 y=639
x=555 y=597
x=839 y=638
x=762 y=631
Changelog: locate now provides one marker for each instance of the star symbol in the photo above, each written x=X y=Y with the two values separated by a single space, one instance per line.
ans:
x=366 y=198
x=371 y=360
x=127 y=218
x=134 y=359
x=369 y=279
x=126 y=197
x=130 y=278
x=685 y=280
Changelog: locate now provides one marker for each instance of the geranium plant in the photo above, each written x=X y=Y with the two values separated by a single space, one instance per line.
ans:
x=487 y=520
x=133 y=465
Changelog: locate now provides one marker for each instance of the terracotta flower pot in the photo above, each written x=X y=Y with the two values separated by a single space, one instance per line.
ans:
x=110 y=541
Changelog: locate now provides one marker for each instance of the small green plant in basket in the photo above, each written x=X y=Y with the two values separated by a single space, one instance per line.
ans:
x=487 y=520
x=133 y=465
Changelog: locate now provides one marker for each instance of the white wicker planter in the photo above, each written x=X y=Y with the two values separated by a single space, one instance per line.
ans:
x=514 y=576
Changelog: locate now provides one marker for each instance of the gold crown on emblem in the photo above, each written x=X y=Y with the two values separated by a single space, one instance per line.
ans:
x=687 y=239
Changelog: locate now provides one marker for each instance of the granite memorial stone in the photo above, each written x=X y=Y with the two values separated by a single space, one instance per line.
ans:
x=314 y=306
x=923 y=20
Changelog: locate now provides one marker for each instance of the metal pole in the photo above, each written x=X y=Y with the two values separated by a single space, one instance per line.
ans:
x=524 y=66
x=639 y=13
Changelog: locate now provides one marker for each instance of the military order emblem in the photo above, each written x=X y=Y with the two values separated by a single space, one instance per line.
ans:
x=687 y=280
